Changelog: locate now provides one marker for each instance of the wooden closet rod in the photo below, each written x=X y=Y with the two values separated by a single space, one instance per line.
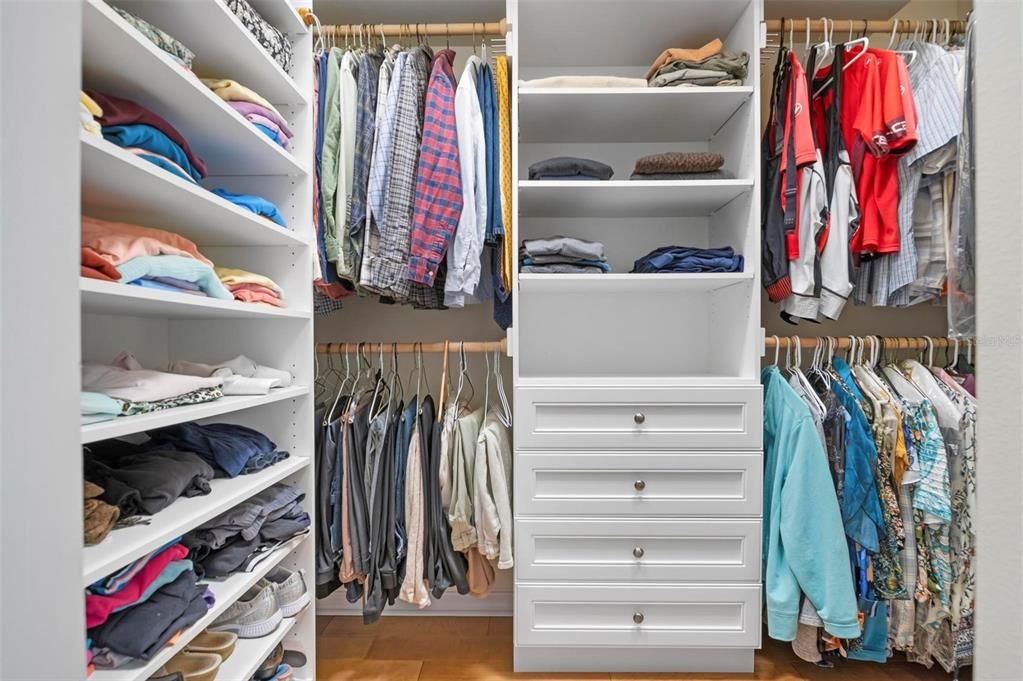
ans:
x=859 y=26
x=893 y=342
x=439 y=347
x=479 y=29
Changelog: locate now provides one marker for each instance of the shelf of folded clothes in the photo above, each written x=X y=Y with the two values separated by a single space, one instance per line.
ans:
x=225 y=593
x=627 y=198
x=119 y=184
x=126 y=544
x=250 y=653
x=119 y=60
x=617 y=114
x=223 y=44
x=106 y=297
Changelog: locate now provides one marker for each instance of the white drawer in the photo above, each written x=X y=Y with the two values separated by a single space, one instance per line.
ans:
x=645 y=417
x=629 y=615
x=638 y=550
x=638 y=483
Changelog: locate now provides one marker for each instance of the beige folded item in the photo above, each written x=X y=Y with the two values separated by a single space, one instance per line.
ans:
x=676 y=53
x=231 y=277
x=584 y=81
x=233 y=91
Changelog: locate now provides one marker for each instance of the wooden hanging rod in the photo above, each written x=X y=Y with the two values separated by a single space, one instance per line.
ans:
x=859 y=26
x=479 y=29
x=452 y=346
x=892 y=342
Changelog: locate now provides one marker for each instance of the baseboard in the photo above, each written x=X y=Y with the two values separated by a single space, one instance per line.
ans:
x=591 y=659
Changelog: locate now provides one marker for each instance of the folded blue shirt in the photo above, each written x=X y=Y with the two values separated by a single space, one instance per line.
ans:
x=98 y=407
x=225 y=445
x=688 y=259
x=256 y=204
x=158 y=285
x=179 y=267
x=272 y=134
x=164 y=163
x=151 y=139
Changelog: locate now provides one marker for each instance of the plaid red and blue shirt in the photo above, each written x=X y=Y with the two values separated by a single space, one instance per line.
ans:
x=438 y=203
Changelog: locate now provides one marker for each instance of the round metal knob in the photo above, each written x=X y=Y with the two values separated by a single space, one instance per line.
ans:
x=639 y=417
x=638 y=618
x=638 y=552
x=639 y=485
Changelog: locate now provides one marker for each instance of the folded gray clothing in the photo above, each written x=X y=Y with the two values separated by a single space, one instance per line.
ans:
x=565 y=246
x=246 y=519
x=555 y=260
x=735 y=65
x=561 y=166
x=688 y=76
x=713 y=175
x=561 y=269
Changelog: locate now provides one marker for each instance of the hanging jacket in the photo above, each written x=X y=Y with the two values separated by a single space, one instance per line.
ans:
x=804 y=547
x=775 y=262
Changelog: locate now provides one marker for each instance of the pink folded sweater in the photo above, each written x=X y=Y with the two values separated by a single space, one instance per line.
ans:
x=119 y=242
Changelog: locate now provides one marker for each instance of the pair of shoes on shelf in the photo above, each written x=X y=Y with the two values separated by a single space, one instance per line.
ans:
x=201 y=658
x=279 y=665
x=282 y=593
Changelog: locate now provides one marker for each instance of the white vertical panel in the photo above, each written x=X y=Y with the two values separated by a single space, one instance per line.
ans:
x=41 y=636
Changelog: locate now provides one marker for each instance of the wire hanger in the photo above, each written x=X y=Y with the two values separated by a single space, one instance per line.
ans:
x=505 y=415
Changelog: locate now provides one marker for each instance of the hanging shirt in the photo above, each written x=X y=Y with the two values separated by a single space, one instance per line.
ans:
x=329 y=161
x=805 y=270
x=369 y=73
x=798 y=135
x=348 y=94
x=438 y=203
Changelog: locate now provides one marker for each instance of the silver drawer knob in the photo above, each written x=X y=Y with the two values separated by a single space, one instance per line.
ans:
x=638 y=552
x=639 y=417
x=639 y=485
x=638 y=618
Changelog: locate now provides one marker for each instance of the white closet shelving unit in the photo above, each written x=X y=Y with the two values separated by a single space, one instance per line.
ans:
x=159 y=327
x=638 y=404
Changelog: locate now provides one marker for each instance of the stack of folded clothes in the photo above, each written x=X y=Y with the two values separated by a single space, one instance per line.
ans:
x=707 y=65
x=135 y=612
x=142 y=132
x=231 y=449
x=562 y=255
x=251 y=288
x=144 y=479
x=240 y=538
x=265 y=33
x=681 y=165
x=241 y=375
x=160 y=38
x=689 y=259
x=147 y=257
x=570 y=168
x=124 y=387
x=254 y=108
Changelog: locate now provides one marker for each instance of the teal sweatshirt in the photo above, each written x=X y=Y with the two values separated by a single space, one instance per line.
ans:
x=805 y=548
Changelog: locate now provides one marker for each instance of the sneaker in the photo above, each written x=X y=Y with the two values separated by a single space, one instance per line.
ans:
x=289 y=588
x=253 y=615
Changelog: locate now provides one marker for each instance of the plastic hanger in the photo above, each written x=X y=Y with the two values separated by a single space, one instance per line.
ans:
x=825 y=47
x=777 y=349
x=863 y=40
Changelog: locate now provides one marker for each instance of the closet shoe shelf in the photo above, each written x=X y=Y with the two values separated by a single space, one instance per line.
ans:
x=627 y=198
x=225 y=592
x=657 y=114
x=126 y=544
x=110 y=297
x=222 y=45
x=250 y=653
x=120 y=61
x=118 y=185
x=129 y=425
x=630 y=283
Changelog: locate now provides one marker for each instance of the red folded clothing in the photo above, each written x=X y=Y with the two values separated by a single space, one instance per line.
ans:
x=255 y=293
x=96 y=267
x=98 y=608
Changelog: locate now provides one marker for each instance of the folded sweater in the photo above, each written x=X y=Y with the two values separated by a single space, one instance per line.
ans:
x=679 y=162
x=233 y=91
x=156 y=266
x=569 y=166
x=118 y=242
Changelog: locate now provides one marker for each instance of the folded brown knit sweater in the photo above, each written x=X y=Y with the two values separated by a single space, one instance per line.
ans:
x=679 y=162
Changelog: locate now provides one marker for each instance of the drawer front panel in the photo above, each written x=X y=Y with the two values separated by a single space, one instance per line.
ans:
x=627 y=615
x=638 y=550
x=638 y=483
x=678 y=418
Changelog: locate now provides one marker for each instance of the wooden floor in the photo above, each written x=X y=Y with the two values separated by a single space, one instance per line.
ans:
x=480 y=649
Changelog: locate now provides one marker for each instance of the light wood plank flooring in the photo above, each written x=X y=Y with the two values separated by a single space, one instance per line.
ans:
x=480 y=649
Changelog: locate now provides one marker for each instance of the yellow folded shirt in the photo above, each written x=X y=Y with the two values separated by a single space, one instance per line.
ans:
x=676 y=53
x=233 y=91
x=90 y=104
x=230 y=277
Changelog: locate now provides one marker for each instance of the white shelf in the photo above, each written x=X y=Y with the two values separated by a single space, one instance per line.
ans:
x=118 y=60
x=118 y=185
x=629 y=283
x=250 y=653
x=691 y=380
x=126 y=544
x=627 y=198
x=108 y=297
x=657 y=114
x=223 y=47
x=281 y=14
x=140 y=423
x=226 y=592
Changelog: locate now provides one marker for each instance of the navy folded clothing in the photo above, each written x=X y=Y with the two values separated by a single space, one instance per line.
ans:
x=688 y=259
x=562 y=167
x=227 y=446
